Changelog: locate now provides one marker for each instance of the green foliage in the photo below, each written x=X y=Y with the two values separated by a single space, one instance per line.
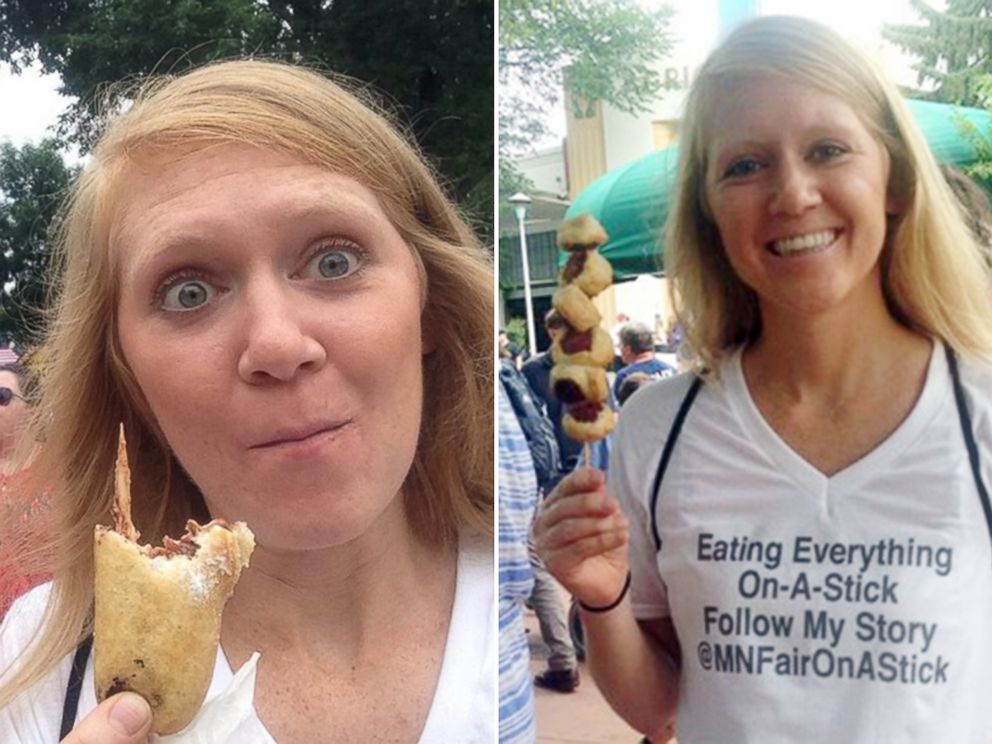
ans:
x=605 y=49
x=33 y=181
x=516 y=331
x=432 y=59
x=953 y=47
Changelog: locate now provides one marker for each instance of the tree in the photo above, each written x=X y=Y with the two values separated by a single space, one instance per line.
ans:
x=954 y=48
x=605 y=49
x=432 y=59
x=33 y=181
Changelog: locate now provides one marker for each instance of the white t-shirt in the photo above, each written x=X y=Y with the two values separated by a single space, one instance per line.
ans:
x=850 y=608
x=463 y=709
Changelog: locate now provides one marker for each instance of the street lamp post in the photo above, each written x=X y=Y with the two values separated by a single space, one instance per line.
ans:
x=520 y=201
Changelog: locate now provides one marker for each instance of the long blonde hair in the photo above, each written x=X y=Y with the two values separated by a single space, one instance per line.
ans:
x=933 y=275
x=87 y=388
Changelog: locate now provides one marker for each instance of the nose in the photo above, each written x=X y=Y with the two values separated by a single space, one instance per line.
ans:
x=277 y=342
x=796 y=189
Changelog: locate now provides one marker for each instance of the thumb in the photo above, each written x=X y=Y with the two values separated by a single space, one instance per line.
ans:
x=122 y=719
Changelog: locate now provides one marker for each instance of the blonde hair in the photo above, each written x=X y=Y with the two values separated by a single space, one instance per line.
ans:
x=933 y=275
x=87 y=388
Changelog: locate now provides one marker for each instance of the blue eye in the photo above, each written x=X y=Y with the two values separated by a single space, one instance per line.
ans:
x=827 y=151
x=742 y=168
x=333 y=263
x=188 y=294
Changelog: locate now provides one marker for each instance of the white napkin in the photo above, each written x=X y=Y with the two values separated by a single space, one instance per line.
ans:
x=227 y=718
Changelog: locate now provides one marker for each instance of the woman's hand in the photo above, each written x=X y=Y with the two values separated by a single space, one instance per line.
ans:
x=124 y=718
x=581 y=535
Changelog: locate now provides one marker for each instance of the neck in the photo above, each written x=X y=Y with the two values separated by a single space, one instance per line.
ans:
x=341 y=596
x=644 y=356
x=833 y=356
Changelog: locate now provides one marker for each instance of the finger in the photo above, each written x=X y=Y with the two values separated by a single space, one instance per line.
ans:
x=579 y=480
x=585 y=504
x=122 y=719
x=567 y=531
x=561 y=560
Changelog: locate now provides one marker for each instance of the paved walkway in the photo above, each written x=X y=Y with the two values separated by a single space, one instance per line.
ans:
x=580 y=717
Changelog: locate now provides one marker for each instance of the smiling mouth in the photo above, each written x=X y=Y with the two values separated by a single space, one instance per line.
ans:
x=301 y=438
x=799 y=245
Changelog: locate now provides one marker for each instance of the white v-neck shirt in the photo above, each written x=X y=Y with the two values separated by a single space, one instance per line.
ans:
x=463 y=708
x=855 y=607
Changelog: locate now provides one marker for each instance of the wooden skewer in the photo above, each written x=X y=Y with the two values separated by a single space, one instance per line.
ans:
x=587 y=455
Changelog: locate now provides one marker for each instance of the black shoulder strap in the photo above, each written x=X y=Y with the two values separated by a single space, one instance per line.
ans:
x=666 y=455
x=71 y=704
x=969 y=435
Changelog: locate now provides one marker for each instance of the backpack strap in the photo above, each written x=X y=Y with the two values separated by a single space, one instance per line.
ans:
x=969 y=436
x=666 y=455
x=70 y=705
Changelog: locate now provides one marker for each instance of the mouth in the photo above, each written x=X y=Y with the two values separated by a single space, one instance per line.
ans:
x=805 y=244
x=300 y=435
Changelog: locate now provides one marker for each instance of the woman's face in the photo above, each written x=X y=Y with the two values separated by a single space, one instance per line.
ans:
x=797 y=186
x=271 y=314
x=13 y=416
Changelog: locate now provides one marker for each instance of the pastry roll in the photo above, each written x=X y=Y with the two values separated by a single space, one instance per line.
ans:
x=576 y=308
x=588 y=421
x=591 y=348
x=581 y=233
x=574 y=383
x=157 y=613
x=588 y=271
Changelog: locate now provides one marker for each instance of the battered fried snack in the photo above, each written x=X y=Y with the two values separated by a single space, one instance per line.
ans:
x=588 y=271
x=575 y=383
x=576 y=308
x=591 y=348
x=581 y=233
x=578 y=378
x=588 y=421
x=157 y=609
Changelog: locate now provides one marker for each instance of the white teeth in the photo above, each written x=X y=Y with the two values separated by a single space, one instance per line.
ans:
x=808 y=242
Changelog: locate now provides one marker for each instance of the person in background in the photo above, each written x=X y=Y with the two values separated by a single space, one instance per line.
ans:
x=14 y=413
x=562 y=673
x=826 y=469
x=631 y=384
x=508 y=349
x=637 y=353
x=24 y=494
x=518 y=498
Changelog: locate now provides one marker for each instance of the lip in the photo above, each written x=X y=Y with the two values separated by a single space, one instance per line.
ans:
x=299 y=435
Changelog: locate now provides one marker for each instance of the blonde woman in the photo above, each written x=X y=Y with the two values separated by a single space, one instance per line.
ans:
x=806 y=520
x=263 y=281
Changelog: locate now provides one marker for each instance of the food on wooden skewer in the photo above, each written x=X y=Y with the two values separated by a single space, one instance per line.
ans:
x=581 y=355
x=157 y=613
x=576 y=308
x=591 y=348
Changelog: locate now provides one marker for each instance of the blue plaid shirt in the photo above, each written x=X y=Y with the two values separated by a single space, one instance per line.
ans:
x=517 y=501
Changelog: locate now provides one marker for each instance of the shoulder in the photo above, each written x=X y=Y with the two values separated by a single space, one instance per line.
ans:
x=463 y=706
x=475 y=557
x=22 y=621
x=976 y=375
x=35 y=714
x=652 y=409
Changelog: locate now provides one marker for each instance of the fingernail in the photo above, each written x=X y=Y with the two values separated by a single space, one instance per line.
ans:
x=130 y=713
